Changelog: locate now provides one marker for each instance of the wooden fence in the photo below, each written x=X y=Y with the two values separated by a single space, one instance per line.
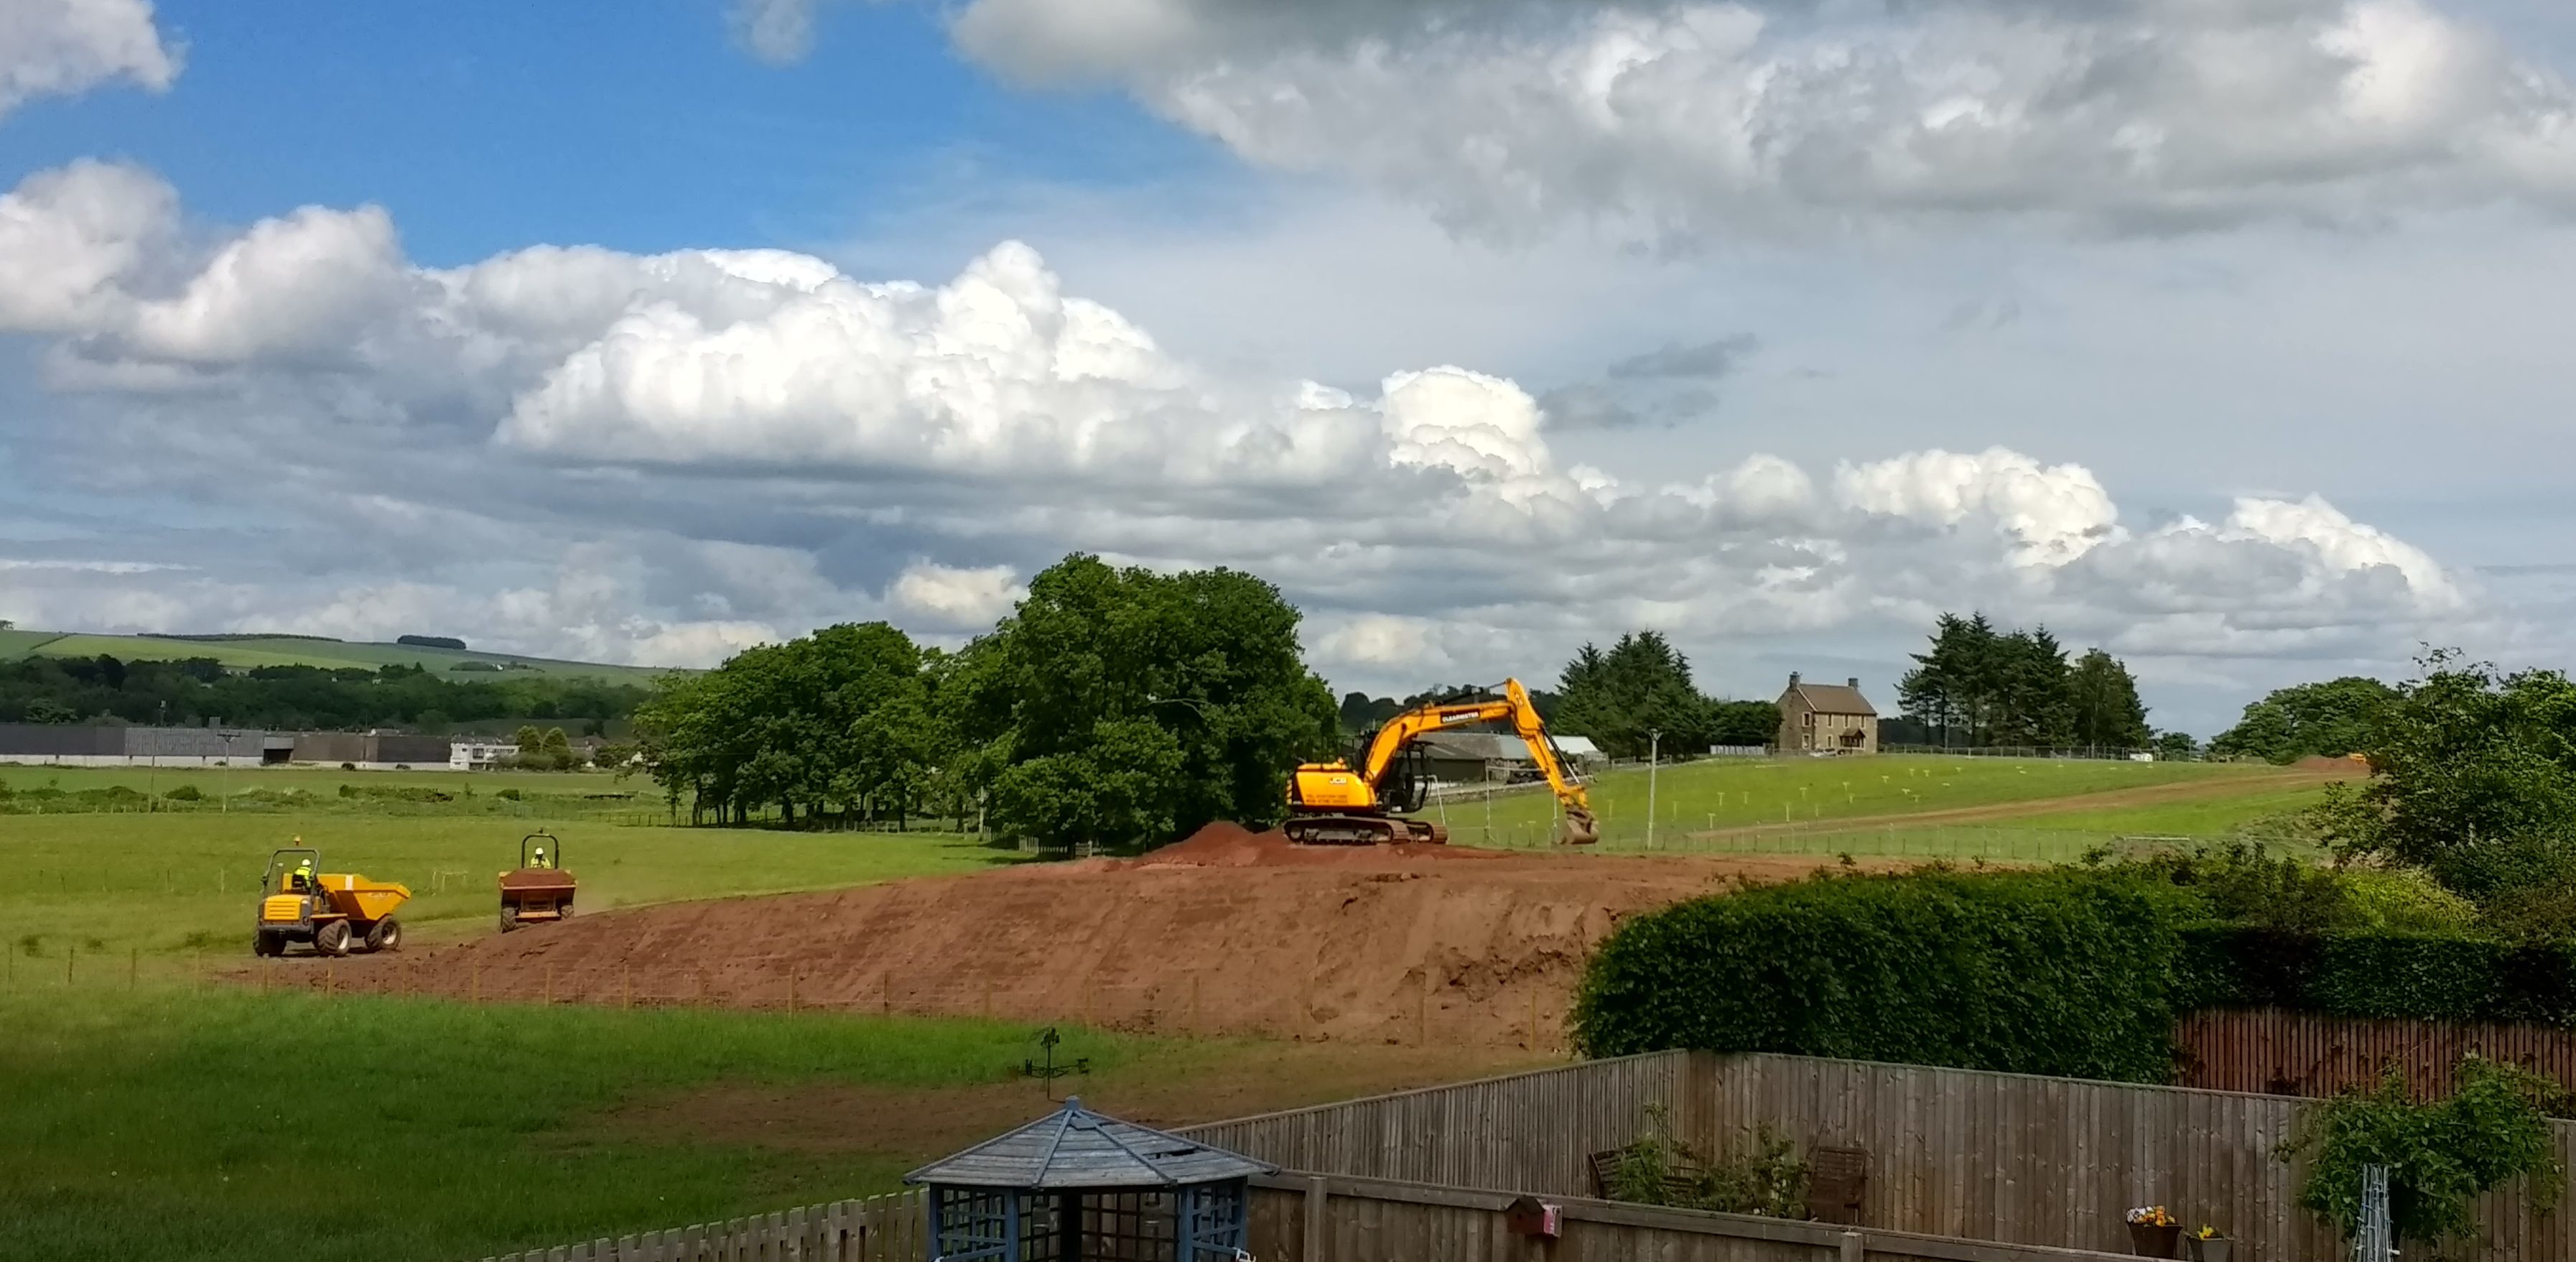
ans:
x=1529 y=1132
x=1956 y=1153
x=1962 y=1167
x=1340 y=1219
x=892 y=1228
x=2297 y=1053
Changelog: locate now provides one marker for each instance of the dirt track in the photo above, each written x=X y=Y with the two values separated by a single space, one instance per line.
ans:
x=1228 y=932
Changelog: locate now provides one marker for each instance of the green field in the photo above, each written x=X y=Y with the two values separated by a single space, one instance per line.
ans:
x=1880 y=805
x=150 y=1108
x=35 y=789
x=158 y=893
x=245 y=654
x=232 y=1126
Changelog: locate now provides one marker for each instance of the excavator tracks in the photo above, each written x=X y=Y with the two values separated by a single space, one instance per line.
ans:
x=1362 y=830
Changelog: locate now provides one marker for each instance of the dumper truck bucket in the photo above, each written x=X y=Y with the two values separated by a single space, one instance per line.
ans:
x=361 y=899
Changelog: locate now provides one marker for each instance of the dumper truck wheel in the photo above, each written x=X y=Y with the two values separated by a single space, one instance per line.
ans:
x=264 y=943
x=509 y=919
x=331 y=937
x=386 y=936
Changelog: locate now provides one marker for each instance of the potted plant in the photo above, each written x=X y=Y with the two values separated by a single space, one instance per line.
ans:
x=2153 y=1233
x=2207 y=1245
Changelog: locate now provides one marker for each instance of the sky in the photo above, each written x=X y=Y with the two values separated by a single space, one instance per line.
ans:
x=2226 y=335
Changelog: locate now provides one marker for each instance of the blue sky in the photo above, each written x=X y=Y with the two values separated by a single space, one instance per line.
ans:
x=2224 y=338
x=486 y=125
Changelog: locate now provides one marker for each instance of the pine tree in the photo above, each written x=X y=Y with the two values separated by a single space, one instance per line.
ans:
x=2108 y=714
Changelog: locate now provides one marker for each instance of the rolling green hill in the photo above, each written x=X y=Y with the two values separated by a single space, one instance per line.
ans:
x=246 y=652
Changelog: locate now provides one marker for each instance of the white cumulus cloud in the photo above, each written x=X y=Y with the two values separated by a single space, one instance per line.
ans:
x=1694 y=120
x=665 y=457
x=62 y=47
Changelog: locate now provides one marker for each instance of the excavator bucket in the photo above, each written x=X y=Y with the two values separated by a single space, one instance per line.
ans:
x=1579 y=829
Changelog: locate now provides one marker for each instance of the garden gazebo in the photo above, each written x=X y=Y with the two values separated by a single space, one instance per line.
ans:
x=1076 y=1186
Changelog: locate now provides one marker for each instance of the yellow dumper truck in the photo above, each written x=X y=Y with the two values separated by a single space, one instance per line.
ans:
x=299 y=902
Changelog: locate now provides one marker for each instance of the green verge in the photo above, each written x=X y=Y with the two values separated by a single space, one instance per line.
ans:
x=233 y=1125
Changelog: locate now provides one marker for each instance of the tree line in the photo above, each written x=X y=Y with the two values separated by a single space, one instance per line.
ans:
x=194 y=691
x=1620 y=699
x=1113 y=706
x=1982 y=687
x=1637 y=697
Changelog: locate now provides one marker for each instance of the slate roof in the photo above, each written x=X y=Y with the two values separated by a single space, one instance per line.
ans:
x=1498 y=746
x=1834 y=699
x=1074 y=1149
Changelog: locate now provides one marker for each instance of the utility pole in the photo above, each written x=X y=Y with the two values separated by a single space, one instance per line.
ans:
x=152 y=772
x=1654 y=762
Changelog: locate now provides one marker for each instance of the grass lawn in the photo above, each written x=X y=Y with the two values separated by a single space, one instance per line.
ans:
x=224 y=1125
x=2204 y=817
x=1721 y=793
x=166 y=887
x=148 y=1109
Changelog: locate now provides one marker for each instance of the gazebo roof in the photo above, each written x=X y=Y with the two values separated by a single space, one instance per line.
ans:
x=1074 y=1149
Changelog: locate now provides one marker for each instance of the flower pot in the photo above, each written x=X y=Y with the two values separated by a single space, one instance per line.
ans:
x=2149 y=1240
x=2213 y=1249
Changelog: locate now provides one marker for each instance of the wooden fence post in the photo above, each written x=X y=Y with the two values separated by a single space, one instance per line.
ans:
x=1315 y=1219
x=1853 y=1248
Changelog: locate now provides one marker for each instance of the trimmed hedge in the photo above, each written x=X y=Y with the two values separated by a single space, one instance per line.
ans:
x=2048 y=973
x=2435 y=977
x=2066 y=973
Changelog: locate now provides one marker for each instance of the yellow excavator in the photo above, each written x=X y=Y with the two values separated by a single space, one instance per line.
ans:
x=1339 y=804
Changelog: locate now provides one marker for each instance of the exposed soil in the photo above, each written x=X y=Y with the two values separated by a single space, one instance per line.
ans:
x=1228 y=932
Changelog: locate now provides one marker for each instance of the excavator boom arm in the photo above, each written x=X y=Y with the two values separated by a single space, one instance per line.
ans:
x=1516 y=706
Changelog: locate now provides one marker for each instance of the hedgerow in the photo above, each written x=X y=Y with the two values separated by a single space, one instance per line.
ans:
x=2051 y=973
x=2077 y=973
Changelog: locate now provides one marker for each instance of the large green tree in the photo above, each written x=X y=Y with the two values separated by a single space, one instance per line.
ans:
x=1118 y=706
x=1624 y=697
x=839 y=722
x=1984 y=687
x=2333 y=718
x=2106 y=712
x=1951 y=690
x=2473 y=778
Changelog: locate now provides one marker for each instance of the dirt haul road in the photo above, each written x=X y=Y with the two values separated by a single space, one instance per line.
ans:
x=1228 y=932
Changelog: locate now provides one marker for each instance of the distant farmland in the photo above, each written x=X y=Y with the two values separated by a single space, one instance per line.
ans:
x=246 y=652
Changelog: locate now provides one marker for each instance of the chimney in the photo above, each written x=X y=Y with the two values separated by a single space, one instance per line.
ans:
x=1793 y=679
x=1855 y=683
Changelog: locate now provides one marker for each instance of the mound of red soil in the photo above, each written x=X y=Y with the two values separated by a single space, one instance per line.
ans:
x=1228 y=932
x=1229 y=845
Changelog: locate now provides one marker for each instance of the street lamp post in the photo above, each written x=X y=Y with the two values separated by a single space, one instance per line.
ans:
x=1654 y=761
